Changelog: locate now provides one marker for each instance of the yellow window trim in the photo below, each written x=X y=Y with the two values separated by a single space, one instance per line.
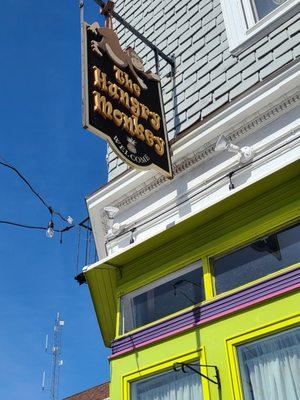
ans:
x=244 y=238
x=255 y=334
x=170 y=316
x=223 y=249
x=151 y=278
x=166 y=365
x=118 y=317
x=259 y=280
x=118 y=335
x=212 y=299
x=208 y=279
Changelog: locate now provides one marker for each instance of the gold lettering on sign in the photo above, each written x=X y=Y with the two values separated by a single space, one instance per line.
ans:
x=138 y=129
x=124 y=98
x=102 y=106
x=123 y=79
x=119 y=75
x=149 y=137
x=154 y=120
x=130 y=124
x=135 y=107
x=136 y=90
x=100 y=81
x=159 y=146
x=144 y=111
x=131 y=103
x=117 y=117
x=113 y=91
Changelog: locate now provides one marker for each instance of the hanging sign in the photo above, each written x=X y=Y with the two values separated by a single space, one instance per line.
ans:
x=122 y=102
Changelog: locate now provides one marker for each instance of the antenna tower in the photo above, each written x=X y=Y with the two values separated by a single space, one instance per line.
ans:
x=57 y=362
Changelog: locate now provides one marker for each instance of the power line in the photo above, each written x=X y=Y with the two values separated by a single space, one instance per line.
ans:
x=26 y=182
x=50 y=227
x=22 y=225
x=42 y=228
x=35 y=192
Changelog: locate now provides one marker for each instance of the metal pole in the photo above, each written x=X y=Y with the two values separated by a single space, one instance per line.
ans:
x=156 y=61
x=152 y=46
x=81 y=8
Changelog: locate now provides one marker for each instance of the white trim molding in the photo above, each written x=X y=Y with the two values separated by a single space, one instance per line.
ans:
x=142 y=196
x=192 y=160
x=242 y=28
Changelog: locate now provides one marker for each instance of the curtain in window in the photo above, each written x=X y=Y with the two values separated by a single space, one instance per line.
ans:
x=271 y=368
x=169 y=386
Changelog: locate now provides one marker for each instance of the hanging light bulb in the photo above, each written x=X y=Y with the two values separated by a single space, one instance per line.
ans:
x=50 y=230
x=70 y=220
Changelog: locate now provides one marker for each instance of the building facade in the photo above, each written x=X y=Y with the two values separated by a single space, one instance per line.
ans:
x=197 y=285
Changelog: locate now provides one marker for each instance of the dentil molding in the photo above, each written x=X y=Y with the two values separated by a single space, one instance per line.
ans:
x=191 y=161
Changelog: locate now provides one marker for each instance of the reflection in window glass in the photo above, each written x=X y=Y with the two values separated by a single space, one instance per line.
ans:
x=161 y=299
x=168 y=386
x=263 y=7
x=267 y=255
x=270 y=368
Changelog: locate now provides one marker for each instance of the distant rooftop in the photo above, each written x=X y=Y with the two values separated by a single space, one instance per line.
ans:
x=100 y=392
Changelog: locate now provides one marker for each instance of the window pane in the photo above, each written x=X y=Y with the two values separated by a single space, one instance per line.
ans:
x=261 y=258
x=168 y=386
x=264 y=7
x=270 y=368
x=167 y=298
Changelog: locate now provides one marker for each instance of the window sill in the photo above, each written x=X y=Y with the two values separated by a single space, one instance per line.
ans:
x=158 y=321
x=212 y=300
x=253 y=283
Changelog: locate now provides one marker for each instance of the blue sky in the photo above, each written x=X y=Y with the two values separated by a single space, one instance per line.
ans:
x=41 y=134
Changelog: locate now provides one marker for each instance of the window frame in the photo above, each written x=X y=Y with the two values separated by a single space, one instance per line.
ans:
x=164 y=366
x=160 y=281
x=258 y=333
x=243 y=30
x=240 y=246
x=204 y=260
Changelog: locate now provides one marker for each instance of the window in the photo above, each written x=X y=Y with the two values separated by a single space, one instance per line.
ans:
x=265 y=362
x=270 y=367
x=261 y=8
x=248 y=21
x=161 y=298
x=168 y=386
x=260 y=258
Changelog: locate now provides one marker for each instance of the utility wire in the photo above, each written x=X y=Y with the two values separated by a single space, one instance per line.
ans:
x=41 y=228
x=28 y=184
x=22 y=225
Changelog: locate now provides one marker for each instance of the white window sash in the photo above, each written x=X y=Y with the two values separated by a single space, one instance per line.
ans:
x=126 y=300
x=243 y=30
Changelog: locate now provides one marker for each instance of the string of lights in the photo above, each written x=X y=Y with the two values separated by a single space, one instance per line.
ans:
x=50 y=229
x=41 y=228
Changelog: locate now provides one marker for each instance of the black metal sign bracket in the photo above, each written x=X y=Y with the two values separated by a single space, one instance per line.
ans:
x=108 y=10
x=192 y=366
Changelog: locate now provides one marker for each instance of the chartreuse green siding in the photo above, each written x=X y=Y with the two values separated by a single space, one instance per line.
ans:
x=102 y=286
x=268 y=205
x=218 y=229
x=210 y=339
